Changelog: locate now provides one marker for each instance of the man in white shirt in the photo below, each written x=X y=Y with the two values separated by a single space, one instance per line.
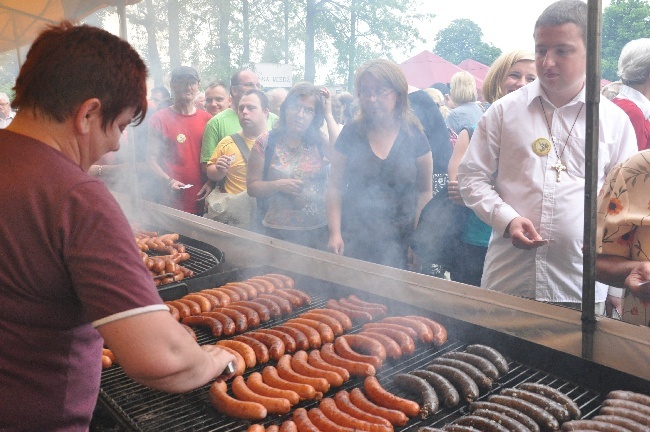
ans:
x=524 y=171
x=6 y=114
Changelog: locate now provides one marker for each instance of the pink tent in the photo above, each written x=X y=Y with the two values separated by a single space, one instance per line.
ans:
x=479 y=70
x=427 y=68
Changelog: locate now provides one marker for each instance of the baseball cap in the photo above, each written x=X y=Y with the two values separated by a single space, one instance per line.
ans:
x=182 y=71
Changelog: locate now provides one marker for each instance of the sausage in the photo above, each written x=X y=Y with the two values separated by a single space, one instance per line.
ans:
x=259 y=287
x=375 y=312
x=285 y=305
x=423 y=331
x=480 y=423
x=343 y=349
x=627 y=413
x=205 y=321
x=545 y=420
x=577 y=425
x=286 y=372
x=512 y=413
x=491 y=354
x=555 y=395
x=343 y=402
x=252 y=317
x=227 y=323
x=357 y=301
x=332 y=323
x=342 y=318
x=395 y=417
x=224 y=299
x=241 y=363
x=482 y=381
x=555 y=409
x=365 y=345
x=273 y=405
x=272 y=306
x=324 y=424
x=312 y=334
x=384 y=325
x=628 y=404
x=251 y=291
x=459 y=428
x=195 y=308
x=377 y=394
x=233 y=294
x=406 y=342
x=392 y=348
x=268 y=286
x=191 y=332
x=272 y=379
x=483 y=364
x=174 y=311
x=306 y=298
x=273 y=343
x=214 y=301
x=183 y=309
x=317 y=361
x=629 y=395
x=353 y=367
x=288 y=426
x=287 y=340
x=354 y=314
x=510 y=424
x=444 y=389
x=278 y=283
x=227 y=405
x=247 y=353
x=325 y=331
x=622 y=421
x=438 y=330
x=287 y=280
x=261 y=351
x=429 y=429
x=241 y=323
x=256 y=427
x=203 y=302
x=415 y=384
x=241 y=292
x=302 y=342
x=106 y=362
x=256 y=384
x=302 y=421
x=331 y=411
x=299 y=363
x=262 y=311
x=463 y=383
x=295 y=300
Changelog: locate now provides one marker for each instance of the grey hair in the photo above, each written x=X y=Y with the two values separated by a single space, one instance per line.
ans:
x=634 y=62
x=565 y=12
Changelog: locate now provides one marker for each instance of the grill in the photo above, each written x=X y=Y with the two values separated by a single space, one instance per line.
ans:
x=141 y=409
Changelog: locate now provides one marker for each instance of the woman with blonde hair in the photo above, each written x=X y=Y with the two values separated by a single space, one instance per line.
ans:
x=463 y=95
x=510 y=71
x=381 y=171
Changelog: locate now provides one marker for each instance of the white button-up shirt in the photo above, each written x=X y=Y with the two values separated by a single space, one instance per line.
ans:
x=501 y=178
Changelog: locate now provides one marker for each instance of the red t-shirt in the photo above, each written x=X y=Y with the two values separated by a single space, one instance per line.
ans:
x=68 y=259
x=180 y=136
x=640 y=123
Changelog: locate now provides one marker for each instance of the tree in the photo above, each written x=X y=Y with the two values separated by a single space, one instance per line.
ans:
x=461 y=40
x=623 y=21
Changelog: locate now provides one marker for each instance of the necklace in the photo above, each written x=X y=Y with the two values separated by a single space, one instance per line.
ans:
x=559 y=166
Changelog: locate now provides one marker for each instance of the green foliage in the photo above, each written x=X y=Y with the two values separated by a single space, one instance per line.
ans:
x=623 y=21
x=461 y=40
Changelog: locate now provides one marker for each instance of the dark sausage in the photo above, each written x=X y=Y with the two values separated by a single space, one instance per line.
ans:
x=555 y=395
x=415 y=384
x=442 y=386
x=463 y=383
x=491 y=354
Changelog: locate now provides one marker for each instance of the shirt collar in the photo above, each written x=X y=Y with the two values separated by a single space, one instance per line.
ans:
x=535 y=90
x=638 y=98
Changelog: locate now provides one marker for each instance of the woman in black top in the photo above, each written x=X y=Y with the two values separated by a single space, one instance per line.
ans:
x=381 y=171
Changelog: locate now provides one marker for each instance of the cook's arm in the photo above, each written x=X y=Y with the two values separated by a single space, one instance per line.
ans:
x=334 y=190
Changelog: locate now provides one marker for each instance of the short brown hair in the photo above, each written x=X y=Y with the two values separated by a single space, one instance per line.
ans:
x=69 y=64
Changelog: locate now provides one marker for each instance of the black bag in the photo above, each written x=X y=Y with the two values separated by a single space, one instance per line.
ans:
x=436 y=238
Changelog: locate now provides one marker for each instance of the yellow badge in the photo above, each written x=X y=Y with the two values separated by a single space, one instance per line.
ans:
x=182 y=138
x=541 y=146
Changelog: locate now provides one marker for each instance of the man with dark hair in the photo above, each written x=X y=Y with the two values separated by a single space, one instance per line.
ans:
x=72 y=278
x=160 y=97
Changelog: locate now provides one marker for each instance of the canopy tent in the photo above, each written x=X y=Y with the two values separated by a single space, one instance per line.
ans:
x=22 y=20
x=427 y=68
x=478 y=69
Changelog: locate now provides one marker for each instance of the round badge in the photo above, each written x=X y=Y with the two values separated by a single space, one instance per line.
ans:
x=182 y=138
x=541 y=146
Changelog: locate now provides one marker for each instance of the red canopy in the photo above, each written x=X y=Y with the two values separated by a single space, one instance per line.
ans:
x=427 y=68
x=479 y=70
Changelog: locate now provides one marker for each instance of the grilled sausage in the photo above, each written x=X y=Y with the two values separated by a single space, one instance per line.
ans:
x=375 y=312
x=480 y=423
x=224 y=299
x=312 y=334
x=555 y=409
x=384 y=325
x=251 y=291
x=296 y=301
x=444 y=389
x=334 y=413
x=629 y=395
x=252 y=317
x=261 y=351
x=429 y=429
x=287 y=280
x=377 y=394
x=214 y=301
x=285 y=305
x=203 y=302
x=354 y=314
x=262 y=311
x=272 y=379
x=332 y=323
x=286 y=372
x=581 y=425
x=183 y=309
x=268 y=286
x=273 y=405
x=273 y=343
x=317 y=361
x=512 y=413
x=405 y=342
x=106 y=362
x=365 y=345
x=395 y=417
x=342 y=318
x=627 y=413
x=240 y=320
x=545 y=420
x=622 y=421
x=491 y=354
x=482 y=381
x=255 y=427
x=302 y=342
x=423 y=331
x=483 y=364
x=438 y=330
x=463 y=383
x=343 y=349
x=241 y=292
x=357 y=301
x=246 y=352
x=174 y=311
x=227 y=405
x=272 y=306
x=259 y=287
x=233 y=294
x=227 y=323
x=306 y=298
x=555 y=395
x=287 y=340
x=353 y=367
x=325 y=331
x=205 y=321
x=278 y=283
x=256 y=383
x=299 y=363
x=343 y=402
x=415 y=384
x=392 y=348
x=509 y=423
x=628 y=404
x=302 y=421
x=324 y=424
x=288 y=426
x=459 y=428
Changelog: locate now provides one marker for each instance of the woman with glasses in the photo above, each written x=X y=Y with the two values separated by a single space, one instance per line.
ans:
x=287 y=170
x=381 y=171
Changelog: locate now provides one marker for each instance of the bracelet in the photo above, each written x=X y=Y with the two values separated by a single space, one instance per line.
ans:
x=99 y=171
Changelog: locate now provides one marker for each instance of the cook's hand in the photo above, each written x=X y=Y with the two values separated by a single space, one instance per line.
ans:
x=453 y=190
x=290 y=186
x=223 y=164
x=612 y=303
x=634 y=281
x=336 y=245
x=524 y=235
x=222 y=358
x=327 y=100
x=207 y=187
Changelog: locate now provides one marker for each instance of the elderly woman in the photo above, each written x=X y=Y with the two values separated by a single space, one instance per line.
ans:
x=463 y=96
x=381 y=171
x=287 y=169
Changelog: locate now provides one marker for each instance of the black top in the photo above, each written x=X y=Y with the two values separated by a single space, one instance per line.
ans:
x=434 y=127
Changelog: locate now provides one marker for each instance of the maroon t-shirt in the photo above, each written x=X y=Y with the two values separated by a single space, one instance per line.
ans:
x=68 y=258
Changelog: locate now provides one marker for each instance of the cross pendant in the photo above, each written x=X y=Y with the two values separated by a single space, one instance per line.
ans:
x=559 y=167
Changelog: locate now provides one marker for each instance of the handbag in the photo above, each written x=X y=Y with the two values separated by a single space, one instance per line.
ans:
x=232 y=209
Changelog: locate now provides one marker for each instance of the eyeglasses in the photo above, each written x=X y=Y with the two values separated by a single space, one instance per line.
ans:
x=251 y=85
x=379 y=92
x=306 y=111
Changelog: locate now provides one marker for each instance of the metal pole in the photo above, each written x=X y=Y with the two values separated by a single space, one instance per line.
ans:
x=591 y=177
x=121 y=12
